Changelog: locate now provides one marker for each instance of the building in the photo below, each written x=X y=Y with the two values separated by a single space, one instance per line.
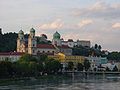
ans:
x=65 y=59
x=31 y=46
x=72 y=43
x=97 y=61
x=83 y=43
x=10 y=56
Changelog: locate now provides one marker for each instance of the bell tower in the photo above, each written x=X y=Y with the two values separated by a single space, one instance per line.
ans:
x=20 y=42
x=32 y=42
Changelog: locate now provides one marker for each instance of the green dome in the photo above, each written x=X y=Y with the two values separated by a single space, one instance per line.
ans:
x=56 y=35
x=21 y=32
x=32 y=30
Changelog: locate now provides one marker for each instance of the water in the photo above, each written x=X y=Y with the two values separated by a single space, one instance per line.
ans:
x=92 y=82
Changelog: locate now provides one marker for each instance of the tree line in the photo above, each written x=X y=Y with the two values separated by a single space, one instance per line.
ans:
x=30 y=66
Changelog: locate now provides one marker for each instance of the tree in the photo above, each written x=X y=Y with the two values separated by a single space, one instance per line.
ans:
x=115 y=68
x=86 y=64
x=107 y=69
x=99 y=47
x=52 y=66
x=96 y=46
x=80 y=67
x=5 y=69
x=70 y=65
x=27 y=58
x=114 y=56
x=42 y=58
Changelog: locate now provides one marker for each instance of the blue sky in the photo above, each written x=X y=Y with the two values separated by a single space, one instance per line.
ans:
x=94 y=20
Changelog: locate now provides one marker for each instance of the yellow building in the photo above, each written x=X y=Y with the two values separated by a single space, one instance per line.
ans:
x=65 y=59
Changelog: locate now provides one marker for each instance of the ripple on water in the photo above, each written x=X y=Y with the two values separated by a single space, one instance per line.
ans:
x=76 y=84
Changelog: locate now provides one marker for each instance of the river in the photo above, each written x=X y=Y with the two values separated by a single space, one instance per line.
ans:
x=91 y=82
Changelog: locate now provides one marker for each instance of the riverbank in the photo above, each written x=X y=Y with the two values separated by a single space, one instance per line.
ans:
x=42 y=78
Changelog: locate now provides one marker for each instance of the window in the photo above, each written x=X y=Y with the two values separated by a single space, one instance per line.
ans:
x=33 y=51
x=52 y=51
x=43 y=51
x=33 y=45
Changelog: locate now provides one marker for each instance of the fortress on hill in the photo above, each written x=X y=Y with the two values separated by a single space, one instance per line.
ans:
x=31 y=46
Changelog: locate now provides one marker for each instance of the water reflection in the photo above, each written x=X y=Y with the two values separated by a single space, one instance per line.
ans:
x=92 y=82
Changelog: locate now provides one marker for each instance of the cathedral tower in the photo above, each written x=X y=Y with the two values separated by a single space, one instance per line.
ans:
x=21 y=42
x=32 y=42
x=56 y=39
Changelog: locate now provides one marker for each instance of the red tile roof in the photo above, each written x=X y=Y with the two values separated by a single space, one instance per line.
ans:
x=46 y=46
x=10 y=53
x=65 y=46
x=50 y=46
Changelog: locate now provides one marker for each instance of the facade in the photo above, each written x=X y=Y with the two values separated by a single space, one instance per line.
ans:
x=21 y=46
x=45 y=49
x=72 y=43
x=64 y=59
x=97 y=61
x=83 y=43
x=10 y=56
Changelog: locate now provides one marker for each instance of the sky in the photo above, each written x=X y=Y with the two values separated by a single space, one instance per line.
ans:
x=94 y=20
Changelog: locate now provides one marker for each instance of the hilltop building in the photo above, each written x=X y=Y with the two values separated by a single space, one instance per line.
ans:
x=33 y=48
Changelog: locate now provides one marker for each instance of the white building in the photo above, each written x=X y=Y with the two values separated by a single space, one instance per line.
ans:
x=83 y=43
x=97 y=61
x=10 y=56
x=72 y=43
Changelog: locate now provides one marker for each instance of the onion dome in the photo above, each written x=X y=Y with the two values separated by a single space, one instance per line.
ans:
x=43 y=35
x=56 y=35
x=21 y=32
x=32 y=30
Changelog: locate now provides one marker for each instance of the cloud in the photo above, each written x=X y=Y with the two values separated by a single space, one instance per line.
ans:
x=85 y=22
x=99 y=6
x=116 y=25
x=57 y=24
x=99 y=10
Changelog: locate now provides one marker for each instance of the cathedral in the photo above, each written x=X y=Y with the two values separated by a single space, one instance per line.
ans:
x=29 y=45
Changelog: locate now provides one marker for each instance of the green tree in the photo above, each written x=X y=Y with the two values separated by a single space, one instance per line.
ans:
x=70 y=65
x=80 y=67
x=96 y=46
x=115 y=68
x=86 y=64
x=107 y=69
x=6 y=69
x=27 y=58
x=99 y=47
x=52 y=66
